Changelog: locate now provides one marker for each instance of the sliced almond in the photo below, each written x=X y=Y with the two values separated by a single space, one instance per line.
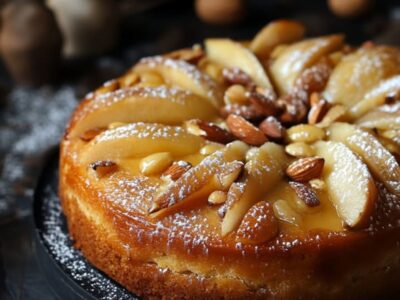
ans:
x=177 y=169
x=272 y=128
x=155 y=163
x=259 y=224
x=318 y=111
x=334 y=114
x=305 y=169
x=245 y=131
x=217 y=198
x=305 y=193
x=215 y=172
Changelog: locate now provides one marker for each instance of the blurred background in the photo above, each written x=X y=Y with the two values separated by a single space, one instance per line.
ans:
x=53 y=52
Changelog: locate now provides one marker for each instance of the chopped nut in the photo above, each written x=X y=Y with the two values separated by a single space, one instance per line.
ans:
x=237 y=76
x=264 y=101
x=217 y=197
x=104 y=167
x=285 y=213
x=335 y=113
x=245 y=131
x=213 y=132
x=299 y=149
x=312 y=79
x=235 y=94
x=295 y=110
x=90 y=134
x=317 y=184
x=305 y=169
x=259 y=224
x=177 y=169
x=190 y=55
x=305 y=193
x=247 y=112
x=305 y=133
x=155 y=163
x=318 y=111
x=272 y=128
x=210 y=148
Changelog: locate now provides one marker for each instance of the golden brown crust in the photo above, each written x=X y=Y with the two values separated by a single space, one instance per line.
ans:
x=349 y=267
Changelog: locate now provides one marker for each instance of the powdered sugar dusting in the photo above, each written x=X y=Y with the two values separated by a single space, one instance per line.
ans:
x=57 y=241
x=203 y=83
x=142 y=130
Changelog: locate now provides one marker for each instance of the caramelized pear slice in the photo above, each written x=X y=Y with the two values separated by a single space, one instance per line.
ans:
x=359 y=72
x=294 y=59
x=184 y=75
x=274 y=34
x=376 y=96
x=215 y=172
x=349 y=184
x=141 y=104
x=265 y=168
x=383 y=117
x=232 y=54
x=380 y=161
x=140 y=139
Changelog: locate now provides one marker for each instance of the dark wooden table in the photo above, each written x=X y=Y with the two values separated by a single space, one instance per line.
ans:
x=32 y=119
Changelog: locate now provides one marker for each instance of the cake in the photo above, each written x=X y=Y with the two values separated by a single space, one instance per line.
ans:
x=262 y=169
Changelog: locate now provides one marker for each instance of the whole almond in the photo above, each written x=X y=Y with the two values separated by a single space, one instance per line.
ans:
x=272 y=128
x=318 y=111
x=237 y=76
x=305 y=169
x=245 y=131
x=312 y=79
x=259 y=224
x=249 y=112
x=177 y=169
x=294 y=109
x=305 y=193
x=264 y=102
x=214 y=133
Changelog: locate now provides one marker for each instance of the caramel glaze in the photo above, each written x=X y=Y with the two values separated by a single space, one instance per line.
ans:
x=193 y=235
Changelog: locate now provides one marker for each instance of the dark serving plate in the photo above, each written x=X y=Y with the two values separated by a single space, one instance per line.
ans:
x=69 y=274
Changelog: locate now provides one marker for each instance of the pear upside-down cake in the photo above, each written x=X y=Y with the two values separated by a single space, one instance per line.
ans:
x=266 y=169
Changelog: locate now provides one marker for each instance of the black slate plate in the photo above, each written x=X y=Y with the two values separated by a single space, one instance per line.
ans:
x=67 y=271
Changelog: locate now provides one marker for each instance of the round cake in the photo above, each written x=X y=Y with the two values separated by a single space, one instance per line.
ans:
x=262 y=169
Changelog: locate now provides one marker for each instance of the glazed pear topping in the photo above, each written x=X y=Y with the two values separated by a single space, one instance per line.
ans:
x=266 y=135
